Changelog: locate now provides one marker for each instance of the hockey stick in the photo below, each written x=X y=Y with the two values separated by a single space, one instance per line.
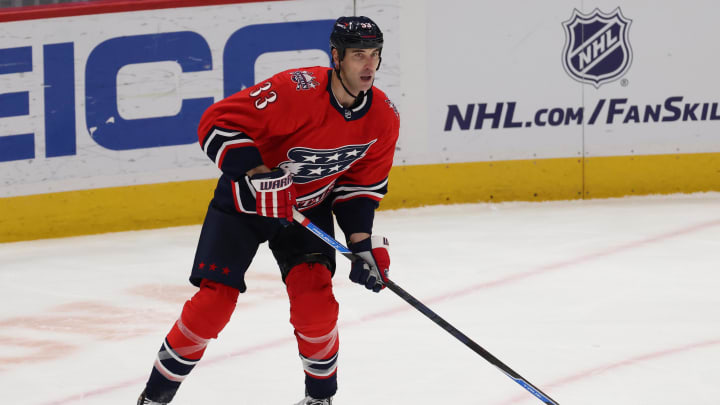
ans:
x=302 y=220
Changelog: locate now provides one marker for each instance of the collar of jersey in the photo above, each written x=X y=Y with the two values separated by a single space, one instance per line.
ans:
x=357 y=112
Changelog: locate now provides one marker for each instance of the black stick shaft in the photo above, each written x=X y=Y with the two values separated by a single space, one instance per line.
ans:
x=469 y=342
x=302 y=220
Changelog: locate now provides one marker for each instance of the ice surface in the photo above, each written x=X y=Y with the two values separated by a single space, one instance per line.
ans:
x=595 y=302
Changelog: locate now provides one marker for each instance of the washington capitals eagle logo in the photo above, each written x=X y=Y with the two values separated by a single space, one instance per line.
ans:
x=597 y=49
x=308 y=164
x=304 y=80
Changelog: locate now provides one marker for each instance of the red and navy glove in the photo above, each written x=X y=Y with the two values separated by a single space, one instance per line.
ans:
x=274 y=193
x=372 y=269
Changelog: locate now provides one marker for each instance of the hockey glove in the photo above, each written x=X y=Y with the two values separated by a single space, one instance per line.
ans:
x=372 y=269
x=274 y=194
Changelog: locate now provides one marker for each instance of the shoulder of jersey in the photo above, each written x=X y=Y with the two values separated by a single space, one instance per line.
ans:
x=306 y=79
x=386 y=105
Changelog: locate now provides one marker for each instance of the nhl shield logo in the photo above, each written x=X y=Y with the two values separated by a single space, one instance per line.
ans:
x=597 y=50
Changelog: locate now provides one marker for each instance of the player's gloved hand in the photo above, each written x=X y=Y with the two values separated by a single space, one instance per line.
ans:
x=372 y=269
x=274 y=193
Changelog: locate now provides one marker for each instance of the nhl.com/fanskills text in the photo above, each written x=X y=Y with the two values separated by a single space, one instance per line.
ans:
x=597 y=51
x=605 y=111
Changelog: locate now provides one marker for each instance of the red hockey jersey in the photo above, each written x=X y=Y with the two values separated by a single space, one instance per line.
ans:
x=293 y=120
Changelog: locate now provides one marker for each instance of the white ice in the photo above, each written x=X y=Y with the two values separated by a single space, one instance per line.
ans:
x=595 y=302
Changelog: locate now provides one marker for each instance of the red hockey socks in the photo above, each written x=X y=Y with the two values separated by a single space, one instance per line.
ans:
x=202 y=319
x=314 y=314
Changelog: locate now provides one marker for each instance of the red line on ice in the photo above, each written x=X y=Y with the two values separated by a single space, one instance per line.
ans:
x=591 y=372
x=548 y=268
x=455 y=294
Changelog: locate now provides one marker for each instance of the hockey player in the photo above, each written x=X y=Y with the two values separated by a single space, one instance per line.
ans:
x=318 y=139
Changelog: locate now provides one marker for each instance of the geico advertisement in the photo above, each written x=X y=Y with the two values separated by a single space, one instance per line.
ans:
x=114 y=99
x=547 y=80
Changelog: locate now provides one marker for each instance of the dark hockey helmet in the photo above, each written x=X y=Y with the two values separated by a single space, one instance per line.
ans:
x=355 y=32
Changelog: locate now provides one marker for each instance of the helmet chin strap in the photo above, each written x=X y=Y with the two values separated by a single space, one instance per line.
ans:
x=359 y=97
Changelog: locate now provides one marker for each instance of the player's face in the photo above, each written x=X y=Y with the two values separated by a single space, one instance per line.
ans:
x=358 y=68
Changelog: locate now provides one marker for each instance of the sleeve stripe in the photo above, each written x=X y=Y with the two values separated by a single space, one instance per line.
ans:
x=218 y=139
x=350 y=196
x=217 y=131
x=347 y=192
x=350 y=188
x=239 y=143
